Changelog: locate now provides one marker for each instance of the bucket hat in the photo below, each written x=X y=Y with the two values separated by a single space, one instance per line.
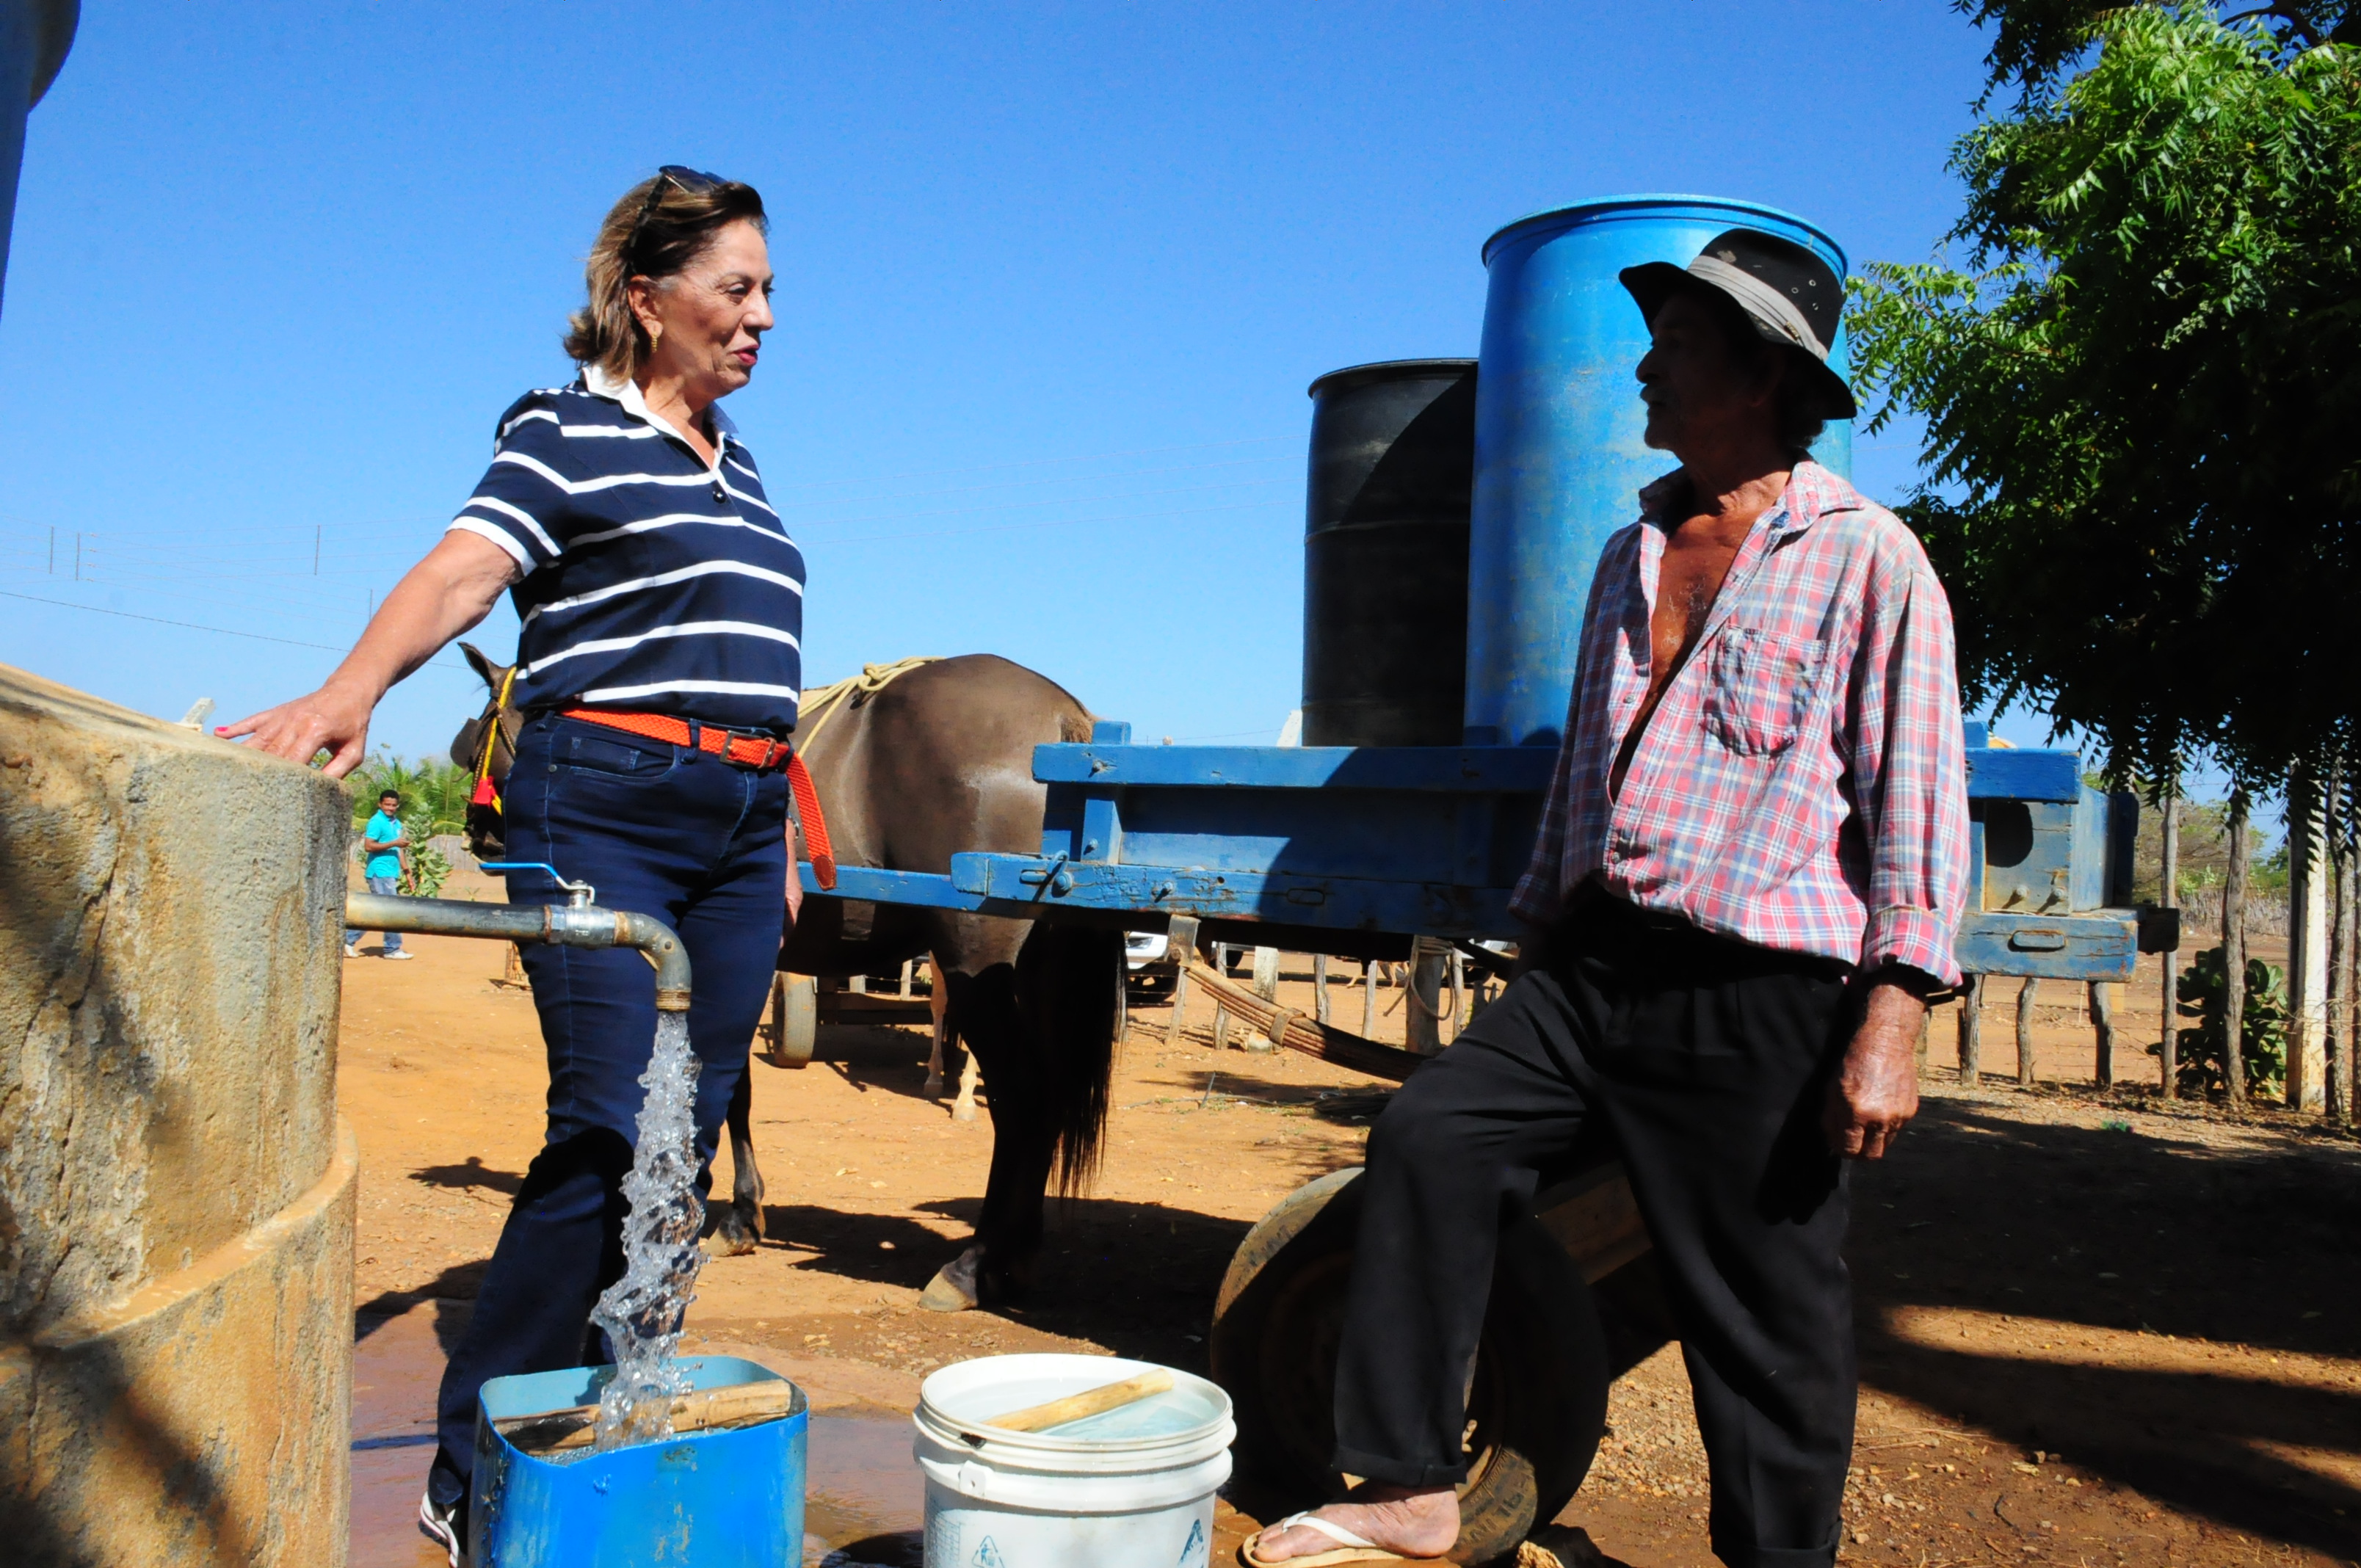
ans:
x=1792 y=297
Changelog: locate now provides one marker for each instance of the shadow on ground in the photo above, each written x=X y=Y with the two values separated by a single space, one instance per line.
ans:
x=2143 y=1226
x=1127 y=1276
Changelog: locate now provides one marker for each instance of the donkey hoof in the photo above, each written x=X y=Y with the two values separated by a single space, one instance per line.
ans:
x=732 y=1235
x=953 y=1288
x=934 y=1089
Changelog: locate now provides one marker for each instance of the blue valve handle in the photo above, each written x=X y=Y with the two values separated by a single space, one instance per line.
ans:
x=582 y=890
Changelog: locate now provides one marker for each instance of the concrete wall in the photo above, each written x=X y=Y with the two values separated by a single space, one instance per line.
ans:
x=176 y=1191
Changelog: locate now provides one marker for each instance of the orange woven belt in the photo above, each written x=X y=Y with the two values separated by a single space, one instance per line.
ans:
x=746 y=749
x=755 y=753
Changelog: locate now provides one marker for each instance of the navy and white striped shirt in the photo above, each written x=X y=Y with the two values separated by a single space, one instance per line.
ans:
x=652 y=583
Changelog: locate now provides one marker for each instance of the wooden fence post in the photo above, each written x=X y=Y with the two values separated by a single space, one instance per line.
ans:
x=2311 y=887
x=1368 y=998
x=2233 y=954
x=1121 y=992
x=1181 y=944
x=1971 y=1030
x=1422 y=1009
x=1320 y=987
x=2103 y=1022
x=2025 y=1005
x=2169 y=895
x=1221 y=1014
x=1265 y=985
x=2341 y=975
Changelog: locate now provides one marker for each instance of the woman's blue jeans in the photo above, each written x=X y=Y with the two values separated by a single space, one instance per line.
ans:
x=663 y=830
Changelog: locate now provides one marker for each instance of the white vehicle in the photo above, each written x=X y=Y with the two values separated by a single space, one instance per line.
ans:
x=1149 y=963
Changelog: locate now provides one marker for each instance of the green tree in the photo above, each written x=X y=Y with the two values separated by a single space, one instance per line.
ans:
x=2034 y=41
x=2142 y=389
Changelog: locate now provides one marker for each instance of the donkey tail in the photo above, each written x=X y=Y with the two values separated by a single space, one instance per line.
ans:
x=1066 y=979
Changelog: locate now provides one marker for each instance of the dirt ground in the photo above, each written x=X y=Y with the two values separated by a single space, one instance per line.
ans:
x=2094 y=1329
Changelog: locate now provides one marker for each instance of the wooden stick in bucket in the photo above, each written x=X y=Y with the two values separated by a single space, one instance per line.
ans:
x=1089 y=1403
x=705 y=1409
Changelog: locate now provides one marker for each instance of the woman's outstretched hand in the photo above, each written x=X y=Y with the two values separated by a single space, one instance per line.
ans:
x=333 y=720
x=454 y=587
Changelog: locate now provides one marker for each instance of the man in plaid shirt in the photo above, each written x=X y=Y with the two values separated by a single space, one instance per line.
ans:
x=1750 y=865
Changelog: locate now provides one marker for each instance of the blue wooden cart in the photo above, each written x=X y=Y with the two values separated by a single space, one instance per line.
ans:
x=1356 y=849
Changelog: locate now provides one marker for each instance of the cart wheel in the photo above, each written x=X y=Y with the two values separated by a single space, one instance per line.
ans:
x=794 y=1019
x=1537 y=1402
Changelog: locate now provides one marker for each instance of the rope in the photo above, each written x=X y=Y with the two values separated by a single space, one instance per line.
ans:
x=828 y=701
x=485 y=793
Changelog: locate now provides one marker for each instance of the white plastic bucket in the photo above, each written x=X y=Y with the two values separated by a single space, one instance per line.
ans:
x=1132 y=1488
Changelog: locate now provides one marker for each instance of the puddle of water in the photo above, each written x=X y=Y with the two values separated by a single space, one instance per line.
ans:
x=395 y=1370
x=865 y=1501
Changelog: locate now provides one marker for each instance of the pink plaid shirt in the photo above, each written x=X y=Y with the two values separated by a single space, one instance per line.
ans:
x=1801 y=784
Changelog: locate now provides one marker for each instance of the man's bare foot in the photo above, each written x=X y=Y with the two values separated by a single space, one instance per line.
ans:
x=1410 y=1521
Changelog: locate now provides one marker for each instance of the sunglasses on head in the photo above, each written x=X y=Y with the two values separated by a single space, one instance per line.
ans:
x=691 y=182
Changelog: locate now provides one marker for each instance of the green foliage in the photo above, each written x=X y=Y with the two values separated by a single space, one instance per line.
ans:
x=2140 y=394
x=428 y=870
x=2203 y=994
x=2034 y=41
x=433 y=794
x=433 y=801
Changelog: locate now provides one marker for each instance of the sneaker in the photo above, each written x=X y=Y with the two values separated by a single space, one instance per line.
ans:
x=398 y=953
x=352 y=949
x=442 y=1524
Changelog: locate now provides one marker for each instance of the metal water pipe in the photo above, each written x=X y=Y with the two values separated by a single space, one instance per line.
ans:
x=579 y=921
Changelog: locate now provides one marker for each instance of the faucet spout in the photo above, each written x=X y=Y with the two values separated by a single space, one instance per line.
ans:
x=571 y=925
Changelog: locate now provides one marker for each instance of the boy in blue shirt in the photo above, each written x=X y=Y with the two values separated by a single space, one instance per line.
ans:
x=388 y=844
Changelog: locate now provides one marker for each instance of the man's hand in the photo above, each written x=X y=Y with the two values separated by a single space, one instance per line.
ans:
x=1875 y=1093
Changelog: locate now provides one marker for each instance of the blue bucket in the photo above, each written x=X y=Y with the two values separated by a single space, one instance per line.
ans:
x=711 y=1500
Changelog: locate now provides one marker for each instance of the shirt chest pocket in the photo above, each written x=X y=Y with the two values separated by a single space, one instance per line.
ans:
x=1758 y=688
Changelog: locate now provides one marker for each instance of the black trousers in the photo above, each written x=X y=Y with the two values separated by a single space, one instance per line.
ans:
x=1704 y=1062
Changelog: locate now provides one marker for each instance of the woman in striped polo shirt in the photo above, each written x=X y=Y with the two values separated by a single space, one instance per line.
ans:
x=659 y=663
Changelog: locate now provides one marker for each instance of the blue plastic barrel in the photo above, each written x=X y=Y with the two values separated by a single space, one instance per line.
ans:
x=708 y=1499
x=1558 y=419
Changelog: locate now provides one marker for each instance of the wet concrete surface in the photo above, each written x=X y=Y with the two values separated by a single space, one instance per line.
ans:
x=864 y=1499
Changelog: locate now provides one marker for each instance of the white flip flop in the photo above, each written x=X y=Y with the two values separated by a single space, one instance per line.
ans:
x=1350 y=1548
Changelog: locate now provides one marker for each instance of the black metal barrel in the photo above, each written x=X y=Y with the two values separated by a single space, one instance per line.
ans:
x=1385 y=554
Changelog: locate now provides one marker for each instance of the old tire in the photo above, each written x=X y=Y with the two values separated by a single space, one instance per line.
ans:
x=1538 y=1400
x=794 y=1019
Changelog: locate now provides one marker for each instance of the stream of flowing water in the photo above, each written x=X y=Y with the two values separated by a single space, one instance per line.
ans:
x=642 y=1312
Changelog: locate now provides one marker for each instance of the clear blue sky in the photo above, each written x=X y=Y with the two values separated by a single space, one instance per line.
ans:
x=1052 y=282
